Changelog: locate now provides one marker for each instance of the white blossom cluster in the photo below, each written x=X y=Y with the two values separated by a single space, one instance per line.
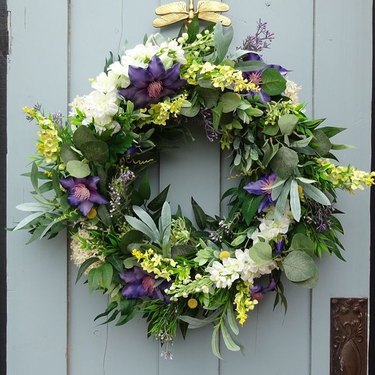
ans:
x=269 y=228
x=100 y=106
x=224 y=273
x=291 y=91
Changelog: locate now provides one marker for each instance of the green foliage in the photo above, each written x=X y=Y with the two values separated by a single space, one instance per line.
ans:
x=273 y=83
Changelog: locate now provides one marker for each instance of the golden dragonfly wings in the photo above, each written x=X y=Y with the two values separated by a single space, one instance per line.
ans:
x=207 y=10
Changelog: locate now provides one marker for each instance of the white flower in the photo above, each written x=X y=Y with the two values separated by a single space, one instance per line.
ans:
x=242 y=266
x=106 y=83
x=121 y=71
x=78 y=102
x=292 y=90
x=140 y=55
x=100 y=109
x=269 y=228
x=224 y=274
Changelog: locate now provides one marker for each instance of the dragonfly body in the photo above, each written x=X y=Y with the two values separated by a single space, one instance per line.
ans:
x=207 y=10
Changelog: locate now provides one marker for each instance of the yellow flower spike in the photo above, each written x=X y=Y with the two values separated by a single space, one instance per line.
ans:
x=92 y=214
x=192 y=303
x=224 y=254
x=138 y=254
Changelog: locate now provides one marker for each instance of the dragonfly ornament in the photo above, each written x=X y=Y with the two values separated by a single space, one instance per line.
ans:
x=178 y=11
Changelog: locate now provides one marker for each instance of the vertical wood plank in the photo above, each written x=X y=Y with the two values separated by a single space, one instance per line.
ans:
x=98 y=27
x=4 y=47
x=37 y=272
x=269 y=337
x=343 y=95
x=192 y=170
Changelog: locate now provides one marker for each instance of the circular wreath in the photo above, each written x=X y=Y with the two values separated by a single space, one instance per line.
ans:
x=91 y=174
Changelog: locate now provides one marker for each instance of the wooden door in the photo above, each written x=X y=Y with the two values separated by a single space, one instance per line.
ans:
x=55 y=47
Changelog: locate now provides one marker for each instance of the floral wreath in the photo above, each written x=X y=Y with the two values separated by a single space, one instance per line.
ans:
x=90 y=175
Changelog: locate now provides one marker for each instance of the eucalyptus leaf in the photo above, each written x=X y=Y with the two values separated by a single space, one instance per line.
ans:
x=311 y=282
x=78 y=169
x=284 y=162
x=301 y=242
x=287 y=123
x=230 y=101
x=261 y=253
x=82 y=135
x=273 y=83
x=209 y=96
x=321 y=143
x=301 y=143
x=250 y=66
x=133 y=236
x=269 y=151
x=299 y=266
x=67 y=153
x=96 y=151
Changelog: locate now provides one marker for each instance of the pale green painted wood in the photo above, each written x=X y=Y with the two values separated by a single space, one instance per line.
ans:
x=270 y=337
x=36 y=272
x=98 y=27
x=343 y=94
x=192 y=170
x=273 y=344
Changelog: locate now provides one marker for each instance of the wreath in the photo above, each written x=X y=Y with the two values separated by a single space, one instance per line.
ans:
x=91 y=175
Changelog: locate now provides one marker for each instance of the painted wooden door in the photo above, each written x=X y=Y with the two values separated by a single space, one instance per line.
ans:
x=55 y=47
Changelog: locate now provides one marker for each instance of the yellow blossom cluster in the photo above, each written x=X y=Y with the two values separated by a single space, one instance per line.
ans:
x=346 y=177
x=277 y=109
x=243 y=301
x=221 y=76
x=183 y=288
x=180 y=235
x=155 y=263
x=161 y=112
x=49 y=141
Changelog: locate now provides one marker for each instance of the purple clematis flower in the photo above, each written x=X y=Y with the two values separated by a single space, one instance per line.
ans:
x=279 y=247
x=139 y=283
x=262 y=187
x=153 y=83
x=257 y=291
x=82 y=192
x=256 y=76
